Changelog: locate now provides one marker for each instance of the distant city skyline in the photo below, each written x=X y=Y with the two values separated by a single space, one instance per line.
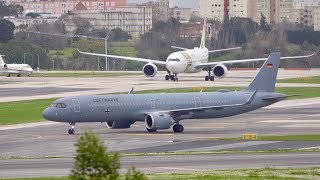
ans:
x=194 y=4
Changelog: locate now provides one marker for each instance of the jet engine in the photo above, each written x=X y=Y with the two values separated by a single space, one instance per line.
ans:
x=118 y=125
x=220 y=71
x=150 y=70
x=5 y=66
x=156 y=121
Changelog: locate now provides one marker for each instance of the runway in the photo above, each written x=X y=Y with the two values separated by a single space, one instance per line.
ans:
x=199 y=135
x=164 y=164
x=28 y=88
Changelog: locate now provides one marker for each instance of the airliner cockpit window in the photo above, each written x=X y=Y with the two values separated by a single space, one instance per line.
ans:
x=176 y=60
x=59 y=105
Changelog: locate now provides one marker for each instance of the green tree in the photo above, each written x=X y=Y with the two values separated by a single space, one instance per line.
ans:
x=133 y=174
x=119 y=35
x=33 y=15
x=6 y=30
x=93 y=162
x=263 y=23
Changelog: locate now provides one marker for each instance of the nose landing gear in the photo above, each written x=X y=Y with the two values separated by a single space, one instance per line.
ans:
x=71 y=130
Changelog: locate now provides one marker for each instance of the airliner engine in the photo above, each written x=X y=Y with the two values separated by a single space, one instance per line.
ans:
x=156 y=121
x=118 y=125
x=150 y=70
x=220 y=71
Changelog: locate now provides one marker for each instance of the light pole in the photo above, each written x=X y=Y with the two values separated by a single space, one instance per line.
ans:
x=98 y=63
x=38 y=63
x=52 y=64
x=106 y=48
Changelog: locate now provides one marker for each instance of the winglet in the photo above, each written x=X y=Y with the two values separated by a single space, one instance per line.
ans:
x=1 y=60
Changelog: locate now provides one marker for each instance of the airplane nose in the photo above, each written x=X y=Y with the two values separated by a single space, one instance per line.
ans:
x=48 y=114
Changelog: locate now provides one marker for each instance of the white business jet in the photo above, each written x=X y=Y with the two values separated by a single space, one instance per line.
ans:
x=17 y=69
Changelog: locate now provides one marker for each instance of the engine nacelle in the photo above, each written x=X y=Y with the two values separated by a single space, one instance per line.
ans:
x=156 y=121
x=220 y=71
x=5 y=66
x=150 y=70
x=118 y=125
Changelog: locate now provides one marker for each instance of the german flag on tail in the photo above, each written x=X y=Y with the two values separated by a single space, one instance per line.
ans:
x=270 y=66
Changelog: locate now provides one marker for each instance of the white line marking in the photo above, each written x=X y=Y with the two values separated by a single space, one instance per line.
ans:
x=316 y=147
x=290 y=121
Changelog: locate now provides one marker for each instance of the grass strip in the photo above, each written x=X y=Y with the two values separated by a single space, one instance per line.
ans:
x=239 y=174
x=303 y=80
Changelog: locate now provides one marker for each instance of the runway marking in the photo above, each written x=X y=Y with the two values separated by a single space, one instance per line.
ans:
x=290 y=121
x=26 y=125
x=270 y=118
x=183 y=169
x=301 y=126
x=314 y=115
x=152 y=134
x=315 y=147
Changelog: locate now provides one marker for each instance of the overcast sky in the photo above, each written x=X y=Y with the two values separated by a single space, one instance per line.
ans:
x=194 y=4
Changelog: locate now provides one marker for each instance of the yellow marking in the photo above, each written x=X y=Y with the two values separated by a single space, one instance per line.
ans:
x=249 y=136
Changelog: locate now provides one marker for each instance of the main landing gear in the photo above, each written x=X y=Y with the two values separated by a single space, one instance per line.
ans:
x=209 y=77
x=178 y=128
x=71 y=130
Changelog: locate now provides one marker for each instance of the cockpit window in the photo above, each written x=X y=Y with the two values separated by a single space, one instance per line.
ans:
x=59 y=105
x=176 y=60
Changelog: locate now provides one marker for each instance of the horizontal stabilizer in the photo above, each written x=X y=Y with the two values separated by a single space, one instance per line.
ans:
x=221 y=50
x=180 y=48
x=279 y=97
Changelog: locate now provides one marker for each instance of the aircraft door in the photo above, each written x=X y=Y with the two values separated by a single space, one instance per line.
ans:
x=153 y=104
x=76 y=105
x=197 y=102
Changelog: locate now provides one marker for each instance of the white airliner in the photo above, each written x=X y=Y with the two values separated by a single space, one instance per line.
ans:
x=189 y=61
x=17 y=69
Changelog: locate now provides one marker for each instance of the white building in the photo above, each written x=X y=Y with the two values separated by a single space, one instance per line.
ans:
x=239 y=8
x=135 y=20
x=213 y=9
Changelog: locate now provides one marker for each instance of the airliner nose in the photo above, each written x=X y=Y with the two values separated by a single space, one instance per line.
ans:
x=48 y=114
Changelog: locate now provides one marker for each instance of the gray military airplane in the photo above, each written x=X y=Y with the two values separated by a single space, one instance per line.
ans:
x=161 y=111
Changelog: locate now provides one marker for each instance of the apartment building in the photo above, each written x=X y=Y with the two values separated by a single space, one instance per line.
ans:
x=135 y=20
x=240 y=8
x=316 y=19
x=213 y=9
x=182 y=14
x=60 y=7
x=284 y=11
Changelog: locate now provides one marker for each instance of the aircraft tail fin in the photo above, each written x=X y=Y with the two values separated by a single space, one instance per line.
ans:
x=1 y=60
x=266 y=78
x=203 y=37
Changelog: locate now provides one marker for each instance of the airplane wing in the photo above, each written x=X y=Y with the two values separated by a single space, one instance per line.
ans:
x=212 y=64
x=163 y=63
x=180 y=48
x=188 y=111
x=221 y=50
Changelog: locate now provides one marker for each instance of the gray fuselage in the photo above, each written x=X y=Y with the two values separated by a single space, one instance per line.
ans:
x=134 y=107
